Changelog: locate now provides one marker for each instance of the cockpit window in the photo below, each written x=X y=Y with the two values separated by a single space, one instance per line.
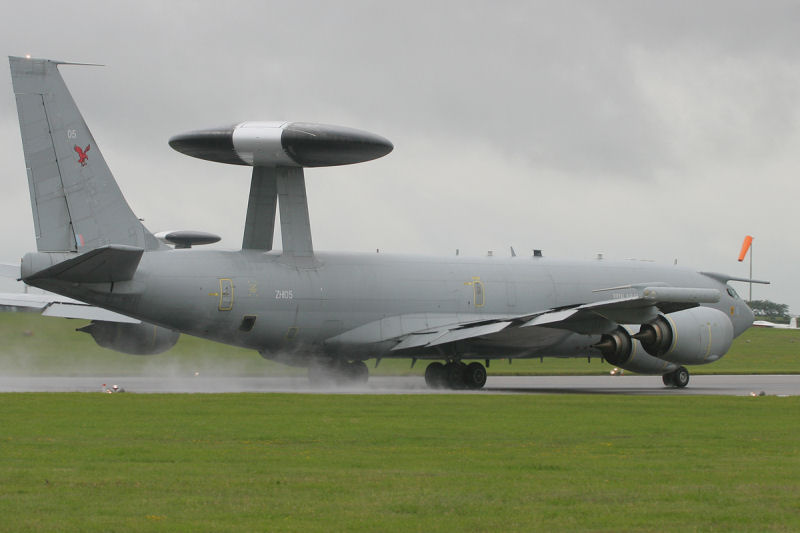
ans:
x=733 y=293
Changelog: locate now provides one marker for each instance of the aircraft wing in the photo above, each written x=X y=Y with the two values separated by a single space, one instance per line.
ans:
x=59 y=306
x=629 y=305
x=633 y=304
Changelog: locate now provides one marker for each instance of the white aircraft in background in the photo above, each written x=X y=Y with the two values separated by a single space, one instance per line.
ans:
x=767 y=324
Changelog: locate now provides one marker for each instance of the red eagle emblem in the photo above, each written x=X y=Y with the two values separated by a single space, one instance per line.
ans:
x=82 y=157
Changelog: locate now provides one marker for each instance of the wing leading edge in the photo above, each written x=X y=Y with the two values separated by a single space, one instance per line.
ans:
x=633 y=304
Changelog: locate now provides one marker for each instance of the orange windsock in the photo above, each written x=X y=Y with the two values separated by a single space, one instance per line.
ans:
x=745 y=247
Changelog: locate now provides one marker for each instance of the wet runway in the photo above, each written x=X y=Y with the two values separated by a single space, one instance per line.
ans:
x=728 y=385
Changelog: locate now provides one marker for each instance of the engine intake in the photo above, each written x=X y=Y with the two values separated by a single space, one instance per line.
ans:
x=692 y=336
x=624 y=351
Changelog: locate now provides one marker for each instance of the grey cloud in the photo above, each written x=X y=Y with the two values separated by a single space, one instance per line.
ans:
x=574 y=126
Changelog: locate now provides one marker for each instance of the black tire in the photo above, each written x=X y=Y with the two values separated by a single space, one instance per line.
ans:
x=667 y=379
x=435 y=376
x=349 y=373
x=680 y=377
x=358 y=372
x=321 y=374
x=475 y=376
x=454 y=375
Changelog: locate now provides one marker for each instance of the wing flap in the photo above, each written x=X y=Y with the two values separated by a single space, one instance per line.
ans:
x=417 y=340
x=400 y=326
x=469 y=333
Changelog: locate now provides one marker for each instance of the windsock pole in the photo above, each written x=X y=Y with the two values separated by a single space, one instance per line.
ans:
x=748 y=245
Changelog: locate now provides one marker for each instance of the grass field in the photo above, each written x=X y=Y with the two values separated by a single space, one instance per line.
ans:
x=36 y=345
x=272 y=462
x=243 y=462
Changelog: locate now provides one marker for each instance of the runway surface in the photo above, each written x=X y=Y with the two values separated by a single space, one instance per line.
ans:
x=727 y=385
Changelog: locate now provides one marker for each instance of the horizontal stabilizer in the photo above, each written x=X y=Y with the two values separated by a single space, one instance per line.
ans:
x=59 y=306
x=9 y=271
x=87 y=312
x=112 y=263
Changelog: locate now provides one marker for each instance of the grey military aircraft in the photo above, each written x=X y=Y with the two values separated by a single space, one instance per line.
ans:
x=331 y=312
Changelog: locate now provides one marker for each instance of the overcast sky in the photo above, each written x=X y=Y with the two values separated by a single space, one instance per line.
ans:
x=653 y=130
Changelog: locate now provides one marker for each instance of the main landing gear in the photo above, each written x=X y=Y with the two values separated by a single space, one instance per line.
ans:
x=455 y=375
x=677 y=378
x=336 y=372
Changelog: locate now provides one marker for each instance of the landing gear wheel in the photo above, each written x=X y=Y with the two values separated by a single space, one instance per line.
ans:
x=356 y=372
x=475 y=376
x=435 y=376
x=680 y=377
x=321 y=373
x=454 y=375
x=333 y=372
x=677 y=378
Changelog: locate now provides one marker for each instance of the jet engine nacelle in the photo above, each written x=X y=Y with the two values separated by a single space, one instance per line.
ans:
x=620 y=349
x=692 y=336
x=135 y=339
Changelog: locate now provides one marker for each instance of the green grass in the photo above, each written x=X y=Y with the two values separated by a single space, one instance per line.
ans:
x=36 y=345
x=272 y=462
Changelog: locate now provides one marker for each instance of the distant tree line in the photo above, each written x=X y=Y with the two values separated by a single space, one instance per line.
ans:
x=765 y=309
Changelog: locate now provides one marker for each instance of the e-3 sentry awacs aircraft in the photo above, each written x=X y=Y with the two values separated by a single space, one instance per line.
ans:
x=332 y=311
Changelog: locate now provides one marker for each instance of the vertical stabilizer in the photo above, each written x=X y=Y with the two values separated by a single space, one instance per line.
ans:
x=77 y=205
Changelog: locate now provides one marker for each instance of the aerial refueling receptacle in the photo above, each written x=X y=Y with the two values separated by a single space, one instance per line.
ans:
x=293 y=144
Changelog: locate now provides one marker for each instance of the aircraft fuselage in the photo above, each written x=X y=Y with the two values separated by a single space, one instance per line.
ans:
x=261 y=301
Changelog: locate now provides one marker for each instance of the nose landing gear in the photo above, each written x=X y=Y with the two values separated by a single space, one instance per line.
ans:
x=677 y=378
